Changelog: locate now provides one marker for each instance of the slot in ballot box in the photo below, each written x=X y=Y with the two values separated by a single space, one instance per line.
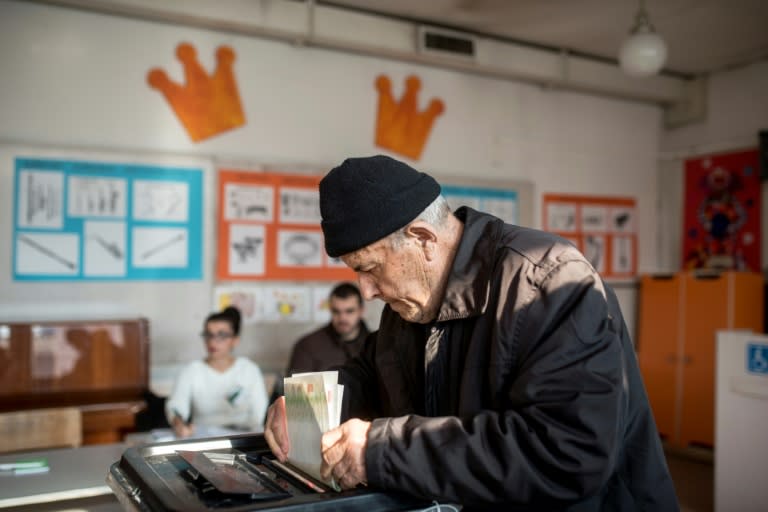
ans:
x=234 y=473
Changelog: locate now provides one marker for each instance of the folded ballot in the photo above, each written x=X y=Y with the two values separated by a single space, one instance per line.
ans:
x=312 y=406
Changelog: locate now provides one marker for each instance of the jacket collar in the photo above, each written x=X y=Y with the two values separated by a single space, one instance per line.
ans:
x=468 y=286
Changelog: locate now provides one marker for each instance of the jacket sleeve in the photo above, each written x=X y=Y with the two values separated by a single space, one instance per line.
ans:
x=553 y=439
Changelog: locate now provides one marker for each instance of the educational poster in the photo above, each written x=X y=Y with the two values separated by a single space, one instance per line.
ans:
x=321 y=308
x=287 y=303
x=79 y=220
x=246 y=249
x=248 y=299
x=269 y=229
x=603 y=228
x=276 y=303
x=499 y=202
x=722 y=212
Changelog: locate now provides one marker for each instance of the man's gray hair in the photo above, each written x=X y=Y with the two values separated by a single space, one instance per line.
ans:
x=435 y=215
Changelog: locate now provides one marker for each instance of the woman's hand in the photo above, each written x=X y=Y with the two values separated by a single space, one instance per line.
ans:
x=181 y=429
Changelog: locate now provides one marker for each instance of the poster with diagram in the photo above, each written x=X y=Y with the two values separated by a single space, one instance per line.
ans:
x=87 y=220
x=263 y=302
x=249 y=300
x=603 y=228
x=503 y=203
x=269 y=229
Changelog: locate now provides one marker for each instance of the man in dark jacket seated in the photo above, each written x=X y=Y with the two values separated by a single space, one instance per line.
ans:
x=502 y=374
x=341 y=339
x=333 y=344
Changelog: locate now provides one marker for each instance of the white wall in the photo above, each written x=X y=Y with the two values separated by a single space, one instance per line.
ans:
x=76 y=81
x=737 y=109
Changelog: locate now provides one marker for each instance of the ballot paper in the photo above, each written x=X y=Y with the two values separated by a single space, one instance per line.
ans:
x=312 y=406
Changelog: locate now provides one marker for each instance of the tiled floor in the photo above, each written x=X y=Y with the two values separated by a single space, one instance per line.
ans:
x=694 y=482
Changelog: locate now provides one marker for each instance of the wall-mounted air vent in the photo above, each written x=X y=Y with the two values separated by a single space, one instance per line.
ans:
x=447 y=43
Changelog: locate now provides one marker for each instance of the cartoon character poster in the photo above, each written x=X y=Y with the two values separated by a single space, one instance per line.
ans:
x=722 y=212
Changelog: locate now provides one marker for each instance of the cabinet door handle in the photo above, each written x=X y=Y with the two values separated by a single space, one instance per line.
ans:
x=687 y=359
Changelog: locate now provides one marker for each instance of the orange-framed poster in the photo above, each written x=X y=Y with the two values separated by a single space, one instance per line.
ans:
x=269 y=229
x=603 y=228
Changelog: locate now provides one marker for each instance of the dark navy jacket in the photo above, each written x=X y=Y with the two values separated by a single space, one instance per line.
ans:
x=524 y=394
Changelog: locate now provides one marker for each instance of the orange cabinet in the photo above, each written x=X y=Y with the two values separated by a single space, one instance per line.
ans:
x=679 y=316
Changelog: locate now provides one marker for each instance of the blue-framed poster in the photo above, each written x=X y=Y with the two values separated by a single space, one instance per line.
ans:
x=97 y=221
x=502 y=203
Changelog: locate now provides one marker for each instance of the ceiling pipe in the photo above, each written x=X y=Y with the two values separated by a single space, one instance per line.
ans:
x=564 y=79
x=306 y=38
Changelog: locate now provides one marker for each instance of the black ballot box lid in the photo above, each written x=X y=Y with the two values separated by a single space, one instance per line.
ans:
x=232 y=473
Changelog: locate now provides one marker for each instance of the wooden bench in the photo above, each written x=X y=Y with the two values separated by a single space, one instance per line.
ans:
x=54 y=427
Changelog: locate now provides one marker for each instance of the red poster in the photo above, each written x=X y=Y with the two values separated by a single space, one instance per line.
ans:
x=722 y=212
x=269 y=229
x=603 y=228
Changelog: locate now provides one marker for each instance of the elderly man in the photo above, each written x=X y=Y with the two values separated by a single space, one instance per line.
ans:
x=502 y=374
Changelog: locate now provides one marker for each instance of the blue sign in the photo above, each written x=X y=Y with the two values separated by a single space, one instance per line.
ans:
x=102 y=221
x=757 y=358
x=498 y=202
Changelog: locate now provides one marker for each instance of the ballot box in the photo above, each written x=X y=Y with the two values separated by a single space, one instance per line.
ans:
x=741 y=448
x=233 y=473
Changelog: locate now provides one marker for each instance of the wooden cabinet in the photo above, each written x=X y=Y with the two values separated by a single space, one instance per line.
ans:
x=99 y=367
x=679 y=316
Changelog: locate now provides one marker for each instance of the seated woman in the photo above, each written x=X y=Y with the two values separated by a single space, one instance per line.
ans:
x=222 y=391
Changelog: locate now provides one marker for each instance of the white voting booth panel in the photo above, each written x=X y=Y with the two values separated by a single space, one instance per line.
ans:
x=741 y=424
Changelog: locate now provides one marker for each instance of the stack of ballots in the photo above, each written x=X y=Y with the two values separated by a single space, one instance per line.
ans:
x=313 y=406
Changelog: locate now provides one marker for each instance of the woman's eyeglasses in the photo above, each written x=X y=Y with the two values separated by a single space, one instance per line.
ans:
x=217 y=336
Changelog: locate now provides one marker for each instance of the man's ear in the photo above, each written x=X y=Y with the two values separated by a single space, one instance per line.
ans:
x=425 y=236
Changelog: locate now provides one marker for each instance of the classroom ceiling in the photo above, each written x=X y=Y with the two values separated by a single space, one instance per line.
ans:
x=702 y=36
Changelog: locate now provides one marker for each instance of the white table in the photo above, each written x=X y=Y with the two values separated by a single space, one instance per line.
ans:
x=75 y=474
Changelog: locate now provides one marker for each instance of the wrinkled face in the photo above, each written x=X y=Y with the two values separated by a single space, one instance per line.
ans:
x=219 y=339
x=398 y=276
x=345 y=316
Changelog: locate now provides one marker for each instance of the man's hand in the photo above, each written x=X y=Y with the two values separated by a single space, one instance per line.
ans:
x=344 y=453
x=276 y=430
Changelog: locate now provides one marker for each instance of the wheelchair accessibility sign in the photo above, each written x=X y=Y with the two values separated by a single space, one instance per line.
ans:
x=757 y=358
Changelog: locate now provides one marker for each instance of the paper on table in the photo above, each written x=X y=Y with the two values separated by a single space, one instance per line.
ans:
x=313 y=406
x=25 y=467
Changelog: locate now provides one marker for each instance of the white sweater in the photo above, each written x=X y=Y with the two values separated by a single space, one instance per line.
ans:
x=235 y=398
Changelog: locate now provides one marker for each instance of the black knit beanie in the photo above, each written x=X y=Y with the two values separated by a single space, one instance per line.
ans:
x=365 y=199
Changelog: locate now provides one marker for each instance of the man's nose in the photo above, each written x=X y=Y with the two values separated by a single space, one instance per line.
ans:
x=368 y=287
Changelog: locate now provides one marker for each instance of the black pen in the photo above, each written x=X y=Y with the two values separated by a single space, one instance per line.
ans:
x=233 y=396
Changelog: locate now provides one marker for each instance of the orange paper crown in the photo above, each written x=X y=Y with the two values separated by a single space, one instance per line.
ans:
x=400 y=127
x=205 y=105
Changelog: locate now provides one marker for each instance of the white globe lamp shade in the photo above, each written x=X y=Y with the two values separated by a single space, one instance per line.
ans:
x=643 y=54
